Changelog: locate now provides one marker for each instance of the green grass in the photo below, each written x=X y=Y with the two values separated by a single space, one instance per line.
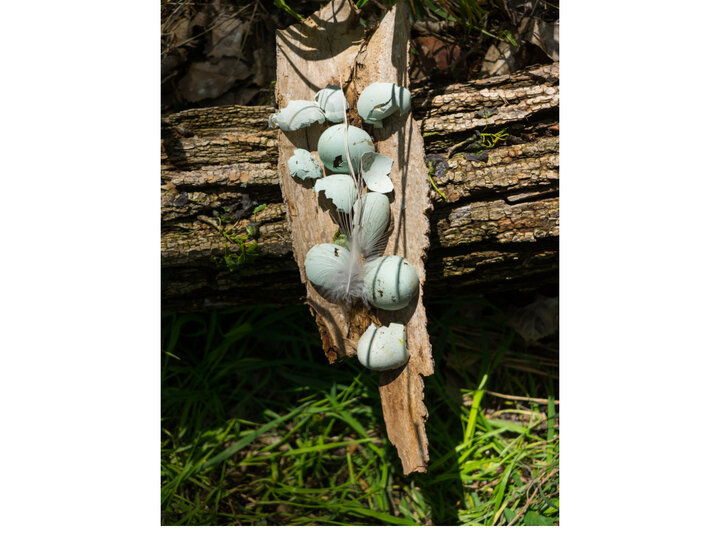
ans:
x=258 y=429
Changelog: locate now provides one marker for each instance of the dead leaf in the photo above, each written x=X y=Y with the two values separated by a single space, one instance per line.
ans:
x=200 y=19
x=542 y=34
x=500 y=59
x=537 y=320
x=432 y=55
x=180 y=31
x=227 y=38
x=443 y=55
x=206 y=80
x=515 y=9
x=171 y=61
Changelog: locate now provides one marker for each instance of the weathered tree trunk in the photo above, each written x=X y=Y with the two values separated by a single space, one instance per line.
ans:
x=495 y=228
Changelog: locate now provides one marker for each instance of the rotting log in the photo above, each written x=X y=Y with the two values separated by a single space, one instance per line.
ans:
x=496 y=229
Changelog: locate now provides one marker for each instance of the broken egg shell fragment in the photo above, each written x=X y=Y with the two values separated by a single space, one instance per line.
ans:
x=324 y=263
x=383 y=348
x=380 y=100
x=297 y=115
x=332 y=101
x=340 y=189
x=331 y=147
x=390 y=282
x=375 y=170
x=372 y=221
x=304 y=165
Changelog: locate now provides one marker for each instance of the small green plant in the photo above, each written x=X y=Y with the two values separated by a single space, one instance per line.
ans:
x=480 y=140
x=245 y=244
x=248 y=248
x=431 y=173
x=489 y=140
x=469 y=13
x=287 y=9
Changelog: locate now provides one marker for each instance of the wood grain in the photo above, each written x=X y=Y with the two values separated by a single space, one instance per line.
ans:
x=385 y=58
x=312 y=55
x=497 y=230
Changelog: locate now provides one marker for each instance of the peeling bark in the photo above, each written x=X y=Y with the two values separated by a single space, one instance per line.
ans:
x=497 y=230
x=311 y=55
x=385 y=58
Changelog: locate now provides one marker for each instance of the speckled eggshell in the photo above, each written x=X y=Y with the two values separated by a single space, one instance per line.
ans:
x=304 y=165
x=383 y=348
x=391 y=282
x=331 y=147
x=340 y=189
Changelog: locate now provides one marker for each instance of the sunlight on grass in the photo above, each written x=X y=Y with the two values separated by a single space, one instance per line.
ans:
x=259 y=430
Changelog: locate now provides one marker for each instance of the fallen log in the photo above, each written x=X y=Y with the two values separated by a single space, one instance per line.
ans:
x=492 y=148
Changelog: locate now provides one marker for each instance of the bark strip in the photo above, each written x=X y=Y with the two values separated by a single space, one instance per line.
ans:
x=385 y=59
x=312 y=55
x=497 y=230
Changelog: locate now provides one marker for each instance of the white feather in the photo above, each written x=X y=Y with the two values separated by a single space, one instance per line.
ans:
x=342 y=280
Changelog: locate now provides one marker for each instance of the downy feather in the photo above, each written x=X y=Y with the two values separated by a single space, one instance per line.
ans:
x=344 y=282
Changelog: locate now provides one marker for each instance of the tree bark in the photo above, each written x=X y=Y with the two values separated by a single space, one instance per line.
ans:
x=494 y=227
x=330 y=48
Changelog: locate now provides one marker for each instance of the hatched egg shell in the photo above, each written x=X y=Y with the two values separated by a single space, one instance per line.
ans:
x=380 y=100
x=375 y=170
x=340 y=189
x=372 y=221
x=324 y=262
x=331 y=147
x=304 y=165
x=390 y=282
x=383 y=348
x=298 y=114
x=333 y=103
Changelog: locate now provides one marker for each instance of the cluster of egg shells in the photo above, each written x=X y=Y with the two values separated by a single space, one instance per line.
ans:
x=389 y=282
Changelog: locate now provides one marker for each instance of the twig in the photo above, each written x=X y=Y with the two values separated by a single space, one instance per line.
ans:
x=540 y=482
x=520 y=398
x=208 y=221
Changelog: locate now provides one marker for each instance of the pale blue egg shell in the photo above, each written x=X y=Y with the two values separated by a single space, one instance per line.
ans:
x=375 y=170
x=324 y=262
x=296 y=115
x=340 y=189
x=332 y=101
x=380 y=100
x=391 y=282
x=331 y=147
x=383 y=348
x=304 y=165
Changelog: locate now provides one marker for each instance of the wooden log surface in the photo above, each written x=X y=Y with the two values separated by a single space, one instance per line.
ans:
x=307 y=60
x=496 y=227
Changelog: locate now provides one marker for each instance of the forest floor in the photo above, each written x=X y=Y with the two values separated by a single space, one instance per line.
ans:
x=257 y=428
